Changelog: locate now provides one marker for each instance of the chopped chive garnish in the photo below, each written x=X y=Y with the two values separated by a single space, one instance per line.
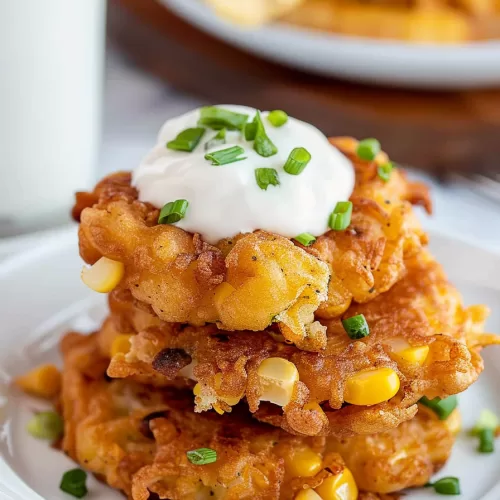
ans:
x=217 y=140
x=485 y=428
x=297 y=161
x=266 y=177
x=340 y=218
x=486 y=441
x=173 y=212
x=225 y=156
x=441 y=407
x=277 y=118
x=384 y=171
x=262 y=144
x=305 y=239
x=187 y=140
x=73 y=483
x=218 y=118
x=46 y=425
x=368 y=149
x=250 y=130
x=446 y=486
x=202 y=456
x=356 y=327
x=487 y=420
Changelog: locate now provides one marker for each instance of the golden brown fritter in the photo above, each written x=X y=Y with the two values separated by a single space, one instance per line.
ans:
x=389 y=461
x=249 y=281
x=136 y=437
x=423 y=309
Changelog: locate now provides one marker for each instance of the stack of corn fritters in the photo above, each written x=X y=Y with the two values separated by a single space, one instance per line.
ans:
x=228 y=371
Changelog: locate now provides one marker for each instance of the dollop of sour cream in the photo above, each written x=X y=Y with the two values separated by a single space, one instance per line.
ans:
x=226 y=200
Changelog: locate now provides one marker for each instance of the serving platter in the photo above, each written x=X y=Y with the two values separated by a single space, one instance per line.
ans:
x=395 y=63
x=43 y=297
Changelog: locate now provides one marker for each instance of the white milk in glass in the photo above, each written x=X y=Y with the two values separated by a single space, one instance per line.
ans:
x=51 y=61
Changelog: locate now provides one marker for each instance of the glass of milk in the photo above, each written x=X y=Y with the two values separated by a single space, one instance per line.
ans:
x=51 y=66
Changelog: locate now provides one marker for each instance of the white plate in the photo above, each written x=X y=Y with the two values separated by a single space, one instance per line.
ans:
x=394 y=63
x=42 y=297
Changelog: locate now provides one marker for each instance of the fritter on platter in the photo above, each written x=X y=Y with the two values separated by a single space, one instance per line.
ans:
x=136 y=437
x=422 y=341
x=252 y=281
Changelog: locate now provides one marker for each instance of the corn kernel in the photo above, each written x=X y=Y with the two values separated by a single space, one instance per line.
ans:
x=104 y=275
x=121 y=344
x=222 y=292
x=413 y=354
x=277 y=378
x=218 y=408
x=313 y=407
x=371 y=386
x=197 y=389
x=454 y=422
x=303 y=462
x=339 y=487
x=43 y=381
x=308 y=494
x=231 y=401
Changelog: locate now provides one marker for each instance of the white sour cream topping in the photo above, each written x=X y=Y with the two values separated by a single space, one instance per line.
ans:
x=226 y=200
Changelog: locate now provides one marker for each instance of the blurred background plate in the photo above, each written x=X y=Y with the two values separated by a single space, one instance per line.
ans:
x=472 y=65
x=439 y=131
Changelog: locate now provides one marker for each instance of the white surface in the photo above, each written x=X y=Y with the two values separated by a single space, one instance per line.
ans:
x=51 y=59
x=390 y=62
x=42 y=297
x=226 y=200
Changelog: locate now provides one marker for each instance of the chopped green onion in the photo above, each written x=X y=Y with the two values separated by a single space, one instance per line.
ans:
x=187 y=140
x=250 y=130
x=340 y=218
x=225 y=156
x=202 y=456
x=356 y=327
x=486 y=441
x=385 y=170
x=218 y=118
x=217 y=140
x=73 y=483
x=173 y=212
x=262 y=144
x=485 y=428
x=487 y=420
x=46 y=425
x=446 y=486
x=368 y=149
x=297 y=161
x=266 y=177
x=305 y=239
x=441 y=407
x=277 y=118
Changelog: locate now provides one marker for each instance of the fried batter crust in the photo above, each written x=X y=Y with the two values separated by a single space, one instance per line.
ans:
x=423 y=308
x=135 y=438
x=271 y=278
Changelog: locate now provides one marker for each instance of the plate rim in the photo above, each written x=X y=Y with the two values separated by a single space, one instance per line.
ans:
x=479 y=54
